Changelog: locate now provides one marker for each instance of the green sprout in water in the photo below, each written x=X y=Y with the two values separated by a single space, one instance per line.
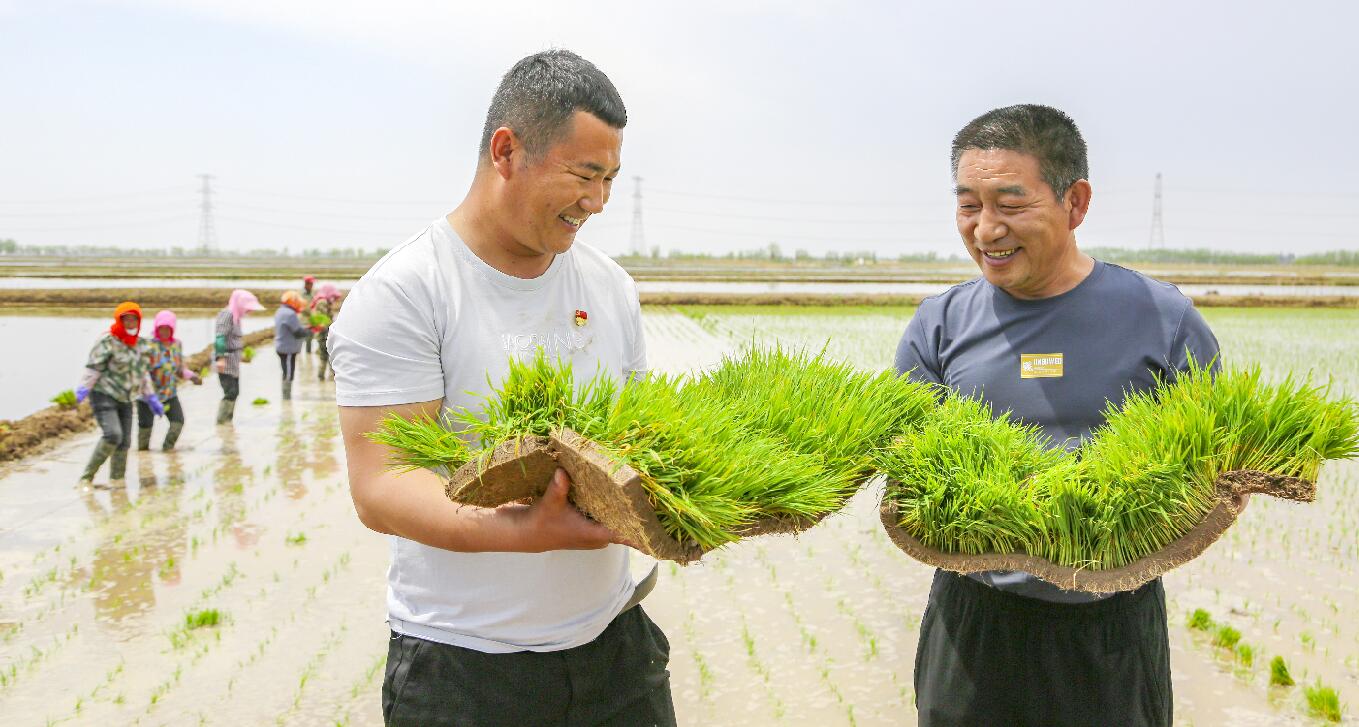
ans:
x=1200 y=620
x=298 y=539
x=202 y=619
x=1245 y=654
x=260 y=401
x=1226 y=637
x=1323 y=702
x=1279 y=675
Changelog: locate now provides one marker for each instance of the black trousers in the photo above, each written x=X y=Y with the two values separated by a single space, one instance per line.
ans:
x=617 y=680
x=288 y=363
x=231 y=386
x=173 y=412
x=987 y=657
x=114 y=418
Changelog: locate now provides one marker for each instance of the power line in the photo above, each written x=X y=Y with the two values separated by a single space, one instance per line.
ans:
x=260 y=193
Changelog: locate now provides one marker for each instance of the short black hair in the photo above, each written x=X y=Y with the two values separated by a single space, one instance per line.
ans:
x=1040 y=131
x=540 y=94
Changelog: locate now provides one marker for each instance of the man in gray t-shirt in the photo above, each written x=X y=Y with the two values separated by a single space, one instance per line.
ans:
x=1054 y=337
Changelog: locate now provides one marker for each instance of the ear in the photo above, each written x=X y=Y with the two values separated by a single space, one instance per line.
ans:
x=1078 y=202
x=505 y=151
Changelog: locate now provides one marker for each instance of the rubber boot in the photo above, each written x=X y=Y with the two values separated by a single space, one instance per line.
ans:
x=118 y=464
x=172 y=436
x=287 y=390
x=225 y=410
x=143 y=438
x=101 y=453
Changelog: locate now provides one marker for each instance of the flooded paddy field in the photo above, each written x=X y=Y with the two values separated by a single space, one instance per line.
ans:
x=51 y=351
x=231 y=583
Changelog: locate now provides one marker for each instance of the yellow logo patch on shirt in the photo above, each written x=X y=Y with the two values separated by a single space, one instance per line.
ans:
x=1040 y=365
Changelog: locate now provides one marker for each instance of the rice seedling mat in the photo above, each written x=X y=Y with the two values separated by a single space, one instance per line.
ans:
x=1124 y=578
x=607 y=491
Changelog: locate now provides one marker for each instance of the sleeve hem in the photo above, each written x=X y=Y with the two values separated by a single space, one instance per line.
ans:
x=389 y=398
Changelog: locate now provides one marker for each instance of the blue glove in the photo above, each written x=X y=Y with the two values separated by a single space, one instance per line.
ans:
x=153 y=402
x=82 y=393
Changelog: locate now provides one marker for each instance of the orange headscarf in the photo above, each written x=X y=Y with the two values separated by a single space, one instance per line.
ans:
x=293 y=300
x=117 y=330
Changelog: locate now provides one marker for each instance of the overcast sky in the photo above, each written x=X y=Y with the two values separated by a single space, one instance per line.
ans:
x=815 y=125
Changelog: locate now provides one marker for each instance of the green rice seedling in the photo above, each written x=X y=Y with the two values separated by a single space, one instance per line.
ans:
x=248 y=354
x=65 y=399
x=1226 y=637
x=1323 y=702
x=260 y=401
x=714 y=454
x=318 y=319
x=1200 y=620
x=298 y=539
x=969 y=482
x=421 y=443
x=202 y=618
x=1279 y=676
x=1245 y=654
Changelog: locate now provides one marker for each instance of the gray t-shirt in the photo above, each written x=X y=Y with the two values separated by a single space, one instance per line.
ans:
x=1055 y=362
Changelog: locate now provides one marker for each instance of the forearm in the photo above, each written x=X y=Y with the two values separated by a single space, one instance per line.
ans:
x=413 y=505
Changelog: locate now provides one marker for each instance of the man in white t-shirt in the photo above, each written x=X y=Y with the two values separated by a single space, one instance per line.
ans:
x=522 y=614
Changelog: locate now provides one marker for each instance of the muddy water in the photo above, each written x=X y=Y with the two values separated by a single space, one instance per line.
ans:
x=818 y=630
x=52 y=351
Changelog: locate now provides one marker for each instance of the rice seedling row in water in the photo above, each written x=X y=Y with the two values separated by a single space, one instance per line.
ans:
x=767 y=435
x=969 y=482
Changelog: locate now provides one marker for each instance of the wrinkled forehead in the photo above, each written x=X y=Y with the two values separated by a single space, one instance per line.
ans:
x=999 y=170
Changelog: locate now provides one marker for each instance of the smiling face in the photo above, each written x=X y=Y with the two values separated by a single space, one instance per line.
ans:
x=552 y=196
x=1018 y=231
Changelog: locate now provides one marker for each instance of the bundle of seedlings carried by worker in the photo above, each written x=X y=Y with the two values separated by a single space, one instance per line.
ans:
x=318 y=319
x=247 y=354
x=675 y=465
x=1156 y=485
x=65 y=399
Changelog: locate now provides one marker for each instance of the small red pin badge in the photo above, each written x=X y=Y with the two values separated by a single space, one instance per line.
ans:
x=582 y=318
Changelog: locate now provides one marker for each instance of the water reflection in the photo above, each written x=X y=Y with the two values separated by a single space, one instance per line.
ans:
x=292 y=455
x=229 y=477
x=140 y=542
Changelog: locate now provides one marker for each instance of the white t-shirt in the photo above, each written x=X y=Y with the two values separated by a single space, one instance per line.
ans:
x=431 y=320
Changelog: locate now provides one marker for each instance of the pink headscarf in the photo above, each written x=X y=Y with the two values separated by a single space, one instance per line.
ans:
x=242 y=302
x=165 y=318
x=328 y=291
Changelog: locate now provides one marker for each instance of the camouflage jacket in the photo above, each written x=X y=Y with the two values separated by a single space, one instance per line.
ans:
x=122 y=369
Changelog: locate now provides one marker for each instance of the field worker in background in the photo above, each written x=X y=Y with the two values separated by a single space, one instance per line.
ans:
x=308 y=282
x=115 y=375
x=319 y=319
x=1053 y=336
x=227 y=346
x=288 y=336
x=165 y=361
x=523 y=614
